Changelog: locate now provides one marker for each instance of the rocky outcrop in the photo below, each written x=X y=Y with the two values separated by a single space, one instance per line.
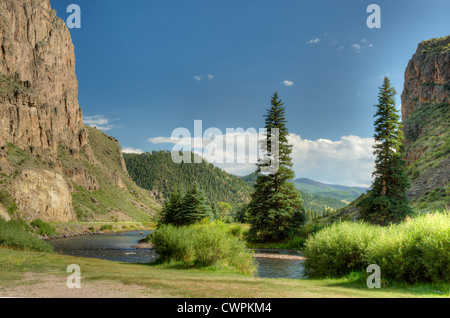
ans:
x=4 y=214
x=43 y=194
x=39 y=90
x=426 y=116
x=427 y=76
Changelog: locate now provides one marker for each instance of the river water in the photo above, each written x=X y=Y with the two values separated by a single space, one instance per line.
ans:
x=120 y=248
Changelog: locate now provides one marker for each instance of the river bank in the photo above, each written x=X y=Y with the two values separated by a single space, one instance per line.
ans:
x=77 y=229
x=32 y=274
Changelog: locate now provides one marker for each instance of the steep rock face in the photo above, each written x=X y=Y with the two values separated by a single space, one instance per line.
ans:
x=427 y=76
x=426 y=117
x=43 y=194
x=38 y=105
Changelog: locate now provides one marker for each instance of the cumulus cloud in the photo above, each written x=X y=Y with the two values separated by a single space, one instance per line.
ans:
x=357 y=47
x=98 y=121
x=316 y=40
x=132 y=150
x=347 y=161
x=210 y=76
x=288 y=83
x=197 y=78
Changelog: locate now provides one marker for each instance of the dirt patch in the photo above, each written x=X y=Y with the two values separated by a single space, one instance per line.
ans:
x=53 y=286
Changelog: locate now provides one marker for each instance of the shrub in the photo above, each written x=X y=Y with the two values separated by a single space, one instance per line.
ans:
x=202 y=245
x=43 y=228
x=13 y=234
x=417 y=250
x=413 y=251
x=106 y=227
x=338 y=249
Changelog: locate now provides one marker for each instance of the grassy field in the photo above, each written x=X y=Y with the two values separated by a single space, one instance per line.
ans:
x=33 y=274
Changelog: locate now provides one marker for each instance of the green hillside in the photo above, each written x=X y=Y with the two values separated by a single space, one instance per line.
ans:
x=311 y=202
x=157 y=172
x=338 y=192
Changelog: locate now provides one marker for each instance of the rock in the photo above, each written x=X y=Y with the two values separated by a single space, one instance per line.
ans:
x=94 y=200
x=39 y=105
x=4 y=214
x=43 y=194
x=427 y=84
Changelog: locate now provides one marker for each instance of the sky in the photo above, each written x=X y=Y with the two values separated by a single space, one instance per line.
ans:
x=146 y=68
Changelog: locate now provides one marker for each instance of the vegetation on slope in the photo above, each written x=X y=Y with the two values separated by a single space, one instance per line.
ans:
x=316 y=199
x=156 y=171
x=117 y=196
x=427 y=132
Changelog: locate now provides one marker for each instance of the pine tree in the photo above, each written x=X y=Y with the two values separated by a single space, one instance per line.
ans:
x=194 y=207
x=276 y=208
x=387 y=201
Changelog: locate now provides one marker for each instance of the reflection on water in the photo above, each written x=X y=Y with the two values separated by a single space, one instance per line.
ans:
x=280 y=268
x=120 y=248
x=111 y=247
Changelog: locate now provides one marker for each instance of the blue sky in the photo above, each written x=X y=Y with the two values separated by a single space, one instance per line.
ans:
x=143 y=70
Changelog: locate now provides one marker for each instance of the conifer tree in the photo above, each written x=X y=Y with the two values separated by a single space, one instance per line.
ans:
x=276 y=208
x=387 y=201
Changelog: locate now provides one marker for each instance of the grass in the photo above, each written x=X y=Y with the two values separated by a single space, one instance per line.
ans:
x=163 y=281
x=17 y=234
x=116 y=191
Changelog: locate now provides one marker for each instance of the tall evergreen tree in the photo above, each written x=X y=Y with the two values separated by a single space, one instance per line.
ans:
x=387 y=201
x=276 y=207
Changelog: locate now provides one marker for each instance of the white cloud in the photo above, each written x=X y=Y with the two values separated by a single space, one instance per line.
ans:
x=317 y=40
x=340 y=48
x=98 y=121
x=288 y=83
x=370 y=45
x=197 y=78
x=357 y=47
x=132 y=150
x=363 y=41
x=210 y=76
x=348 y=161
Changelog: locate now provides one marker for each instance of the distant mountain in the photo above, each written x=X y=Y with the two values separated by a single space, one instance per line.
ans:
x=339 y=192
x=157 y=172
x=311 y=201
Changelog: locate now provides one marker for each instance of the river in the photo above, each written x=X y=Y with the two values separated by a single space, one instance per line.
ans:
x=120 y=248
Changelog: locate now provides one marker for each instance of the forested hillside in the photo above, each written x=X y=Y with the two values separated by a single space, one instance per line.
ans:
x=156 y=171
x=311 y=201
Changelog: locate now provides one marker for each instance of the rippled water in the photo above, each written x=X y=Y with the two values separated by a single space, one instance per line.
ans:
x=120 y=248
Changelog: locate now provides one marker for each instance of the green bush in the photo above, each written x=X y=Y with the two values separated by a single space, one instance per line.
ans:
x=202 y=245
x=106 y=227
x=415 y=250
x=8 y=202
x=338 y=249
x=13 y=234
x=43 y=228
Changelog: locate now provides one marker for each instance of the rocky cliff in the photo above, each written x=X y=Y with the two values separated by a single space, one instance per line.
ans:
x=52 y=166
x=426 y=119
x=39 y=103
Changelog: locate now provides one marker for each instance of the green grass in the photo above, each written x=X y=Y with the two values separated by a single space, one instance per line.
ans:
x=129 y=199
x=163 y=281
x=17 y=234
